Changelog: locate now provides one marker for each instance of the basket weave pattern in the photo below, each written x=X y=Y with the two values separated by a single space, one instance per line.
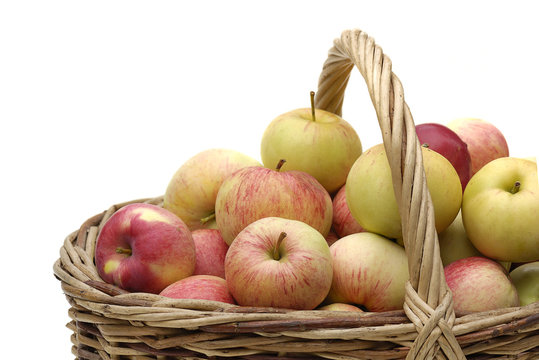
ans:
x=109 y=323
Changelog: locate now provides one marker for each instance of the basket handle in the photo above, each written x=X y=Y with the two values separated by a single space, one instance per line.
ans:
x=428 y=302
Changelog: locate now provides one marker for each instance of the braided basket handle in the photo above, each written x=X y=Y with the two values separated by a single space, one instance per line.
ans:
x=428 y=303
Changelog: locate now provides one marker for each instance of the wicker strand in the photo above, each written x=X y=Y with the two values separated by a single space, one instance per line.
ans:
x=428 y=299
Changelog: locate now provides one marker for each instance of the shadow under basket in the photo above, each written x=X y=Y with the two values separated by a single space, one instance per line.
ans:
x=109 y=323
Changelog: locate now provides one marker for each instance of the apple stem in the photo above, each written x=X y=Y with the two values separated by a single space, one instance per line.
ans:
x=127 y=252
x=207 y=218
x=516 y=187
x=312 y=105
x=425 y=145
x=276 y=255
x=280 y=164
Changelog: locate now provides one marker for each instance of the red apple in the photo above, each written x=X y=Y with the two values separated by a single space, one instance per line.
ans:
x=279 y=262
x=144 y=248
x=480 y=284
x=203 y=287
x=343 y=221
x=210 y=252
x=446 y=142
x=484 y=140
x=254 y=193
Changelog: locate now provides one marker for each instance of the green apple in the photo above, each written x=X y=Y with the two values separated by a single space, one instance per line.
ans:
x=455 y=245
x=500 y=210
x=317 y=142
x=526 y=279
x=372 y=202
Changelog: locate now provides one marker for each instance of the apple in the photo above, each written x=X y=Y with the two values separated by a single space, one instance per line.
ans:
x=500 y=209
x=255 y=192
x=203 y=287
x=279 y=262
x=368 y=270
x=446 y=142
x=193 y=188
x=331 y=237
x=315 y=141
x=340 y=307
x=210 y=252
x=371 y=198
x=455 y=245
x=343 y=221
x=526 y=280
x=484 y=140
x=144 y=248
x=480 y=284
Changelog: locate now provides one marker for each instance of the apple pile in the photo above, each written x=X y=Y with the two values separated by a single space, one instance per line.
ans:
x=315 y=225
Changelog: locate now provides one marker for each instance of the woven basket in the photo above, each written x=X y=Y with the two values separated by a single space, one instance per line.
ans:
x=109 y=323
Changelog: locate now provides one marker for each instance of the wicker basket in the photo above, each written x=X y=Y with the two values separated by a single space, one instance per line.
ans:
x=109 y=323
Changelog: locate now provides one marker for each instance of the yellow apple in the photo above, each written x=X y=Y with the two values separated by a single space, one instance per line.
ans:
x=322 y=145
x=372 y=202
x=526 y=279
x=500 y=210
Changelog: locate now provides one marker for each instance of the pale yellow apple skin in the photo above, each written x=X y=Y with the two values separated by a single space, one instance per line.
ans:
x=503 y=225
x=372 y=202
x=526 y=280
x=455 y=245
x=340 y=307
x=325 y=148
x=368 y=270
x=192 y=191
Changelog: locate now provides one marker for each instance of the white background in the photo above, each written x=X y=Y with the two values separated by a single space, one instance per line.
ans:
x=101 y=102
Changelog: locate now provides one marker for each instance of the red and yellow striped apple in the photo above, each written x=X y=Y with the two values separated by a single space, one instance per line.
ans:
x=279 y=262
x=254 y=193
x=368 y=270
x=144 y=248
x=343 y=222
x=485 y=141
x=203 y=287
x=480 y=284
x=193 y=188
x=210 y=252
